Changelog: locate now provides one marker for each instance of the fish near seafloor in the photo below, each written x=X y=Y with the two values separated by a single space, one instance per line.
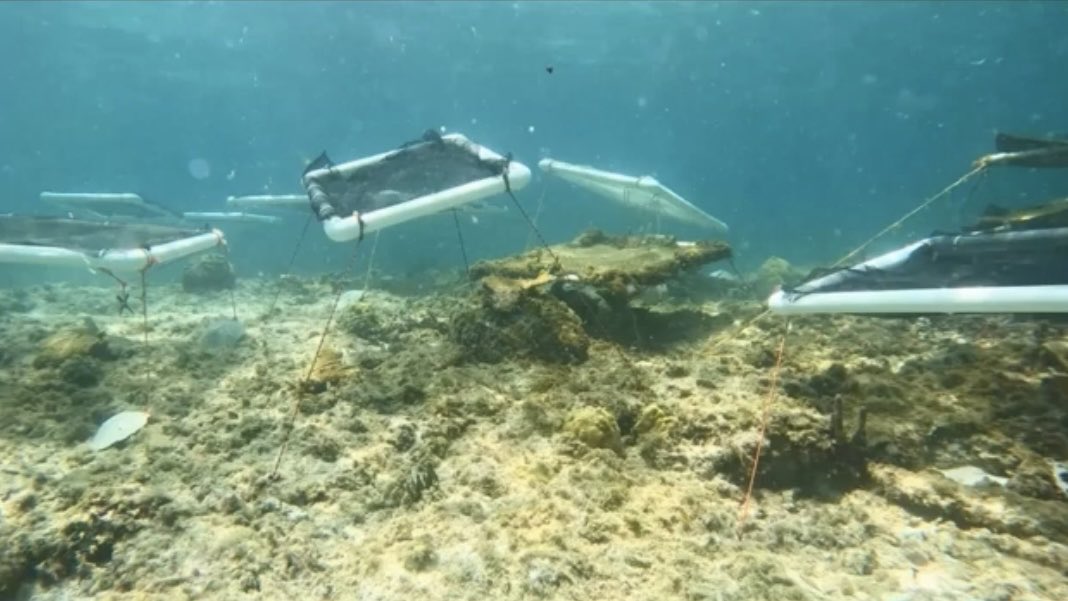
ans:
x=1060 y=475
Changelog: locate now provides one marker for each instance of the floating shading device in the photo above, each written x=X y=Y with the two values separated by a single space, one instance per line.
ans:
x=270 y=202
x=641 y=192
x=1048 y=215
x=423 y=177
x=1024 y=151
x=299 y=203
x=1008 y=262
x=1008 y=270
x=111 y=206
x=129 y=207
x=229 y=217
x=98 y=245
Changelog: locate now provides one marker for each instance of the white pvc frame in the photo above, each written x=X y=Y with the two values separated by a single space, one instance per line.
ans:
x=292 y=202
x=230 y=216
x=643 y=192
x=973 y=299
x=1016 y=299
x=343 y=229
x=121 y=260
x=91 y=201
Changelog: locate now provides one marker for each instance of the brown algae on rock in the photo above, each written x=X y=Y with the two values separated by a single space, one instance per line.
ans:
x=84 y=341
x=533 y=326
x=594 y=427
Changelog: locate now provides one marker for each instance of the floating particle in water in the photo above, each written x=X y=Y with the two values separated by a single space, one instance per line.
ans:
x=530 y=129
x=199 y=168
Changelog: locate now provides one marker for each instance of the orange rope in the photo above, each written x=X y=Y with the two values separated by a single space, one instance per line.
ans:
x=743 y=512
x=979 y=167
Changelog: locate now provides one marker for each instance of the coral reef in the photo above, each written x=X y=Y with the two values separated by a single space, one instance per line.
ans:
x=209 y=273
x=594 y=427
x=614 y=267
x=531 y=326
x=774 y=273
x=78 y=342
x=540 y=294
x=491 y=445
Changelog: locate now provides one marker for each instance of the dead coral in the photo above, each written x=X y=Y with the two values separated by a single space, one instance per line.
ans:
x=595 y=276
x=382 y=319
x=209 y=273
x=805 y=451
x=595 y=428
x=528 y=326
x=86 y=340
x=86 y=543
x=774 y=273
x=330 y=368
x=615 y=266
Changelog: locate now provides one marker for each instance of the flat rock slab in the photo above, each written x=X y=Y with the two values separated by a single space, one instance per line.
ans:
x=609 y=263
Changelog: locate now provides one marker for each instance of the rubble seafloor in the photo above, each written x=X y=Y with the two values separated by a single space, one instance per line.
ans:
x=418 y=469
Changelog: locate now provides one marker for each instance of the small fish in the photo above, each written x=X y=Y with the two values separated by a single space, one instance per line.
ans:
x=1060 y=475
x=724 y=275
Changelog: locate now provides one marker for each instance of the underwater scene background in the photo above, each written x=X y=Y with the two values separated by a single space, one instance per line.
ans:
x=805 y=126
x=600 y=407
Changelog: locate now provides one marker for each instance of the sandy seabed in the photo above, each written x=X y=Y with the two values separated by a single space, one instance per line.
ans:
x=414 y=474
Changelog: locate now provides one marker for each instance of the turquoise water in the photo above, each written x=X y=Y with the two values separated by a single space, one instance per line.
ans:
x=805 y=126
x=543 y=434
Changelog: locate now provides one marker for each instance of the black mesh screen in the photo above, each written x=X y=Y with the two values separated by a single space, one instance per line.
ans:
x=85 y=236
x=1051 y=153
x=118 y=209
x=412 y=171
x=131 y=211
x=1025 y=258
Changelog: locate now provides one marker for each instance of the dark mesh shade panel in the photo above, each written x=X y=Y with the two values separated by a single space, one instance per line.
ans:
x=1020 y=258
x=411 y=172
x=85 y=236
x=1038 y=152
x=116 y=207
x=131 y=211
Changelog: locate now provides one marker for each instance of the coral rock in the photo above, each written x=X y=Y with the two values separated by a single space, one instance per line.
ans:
x=210 y=273
x=596 y=428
